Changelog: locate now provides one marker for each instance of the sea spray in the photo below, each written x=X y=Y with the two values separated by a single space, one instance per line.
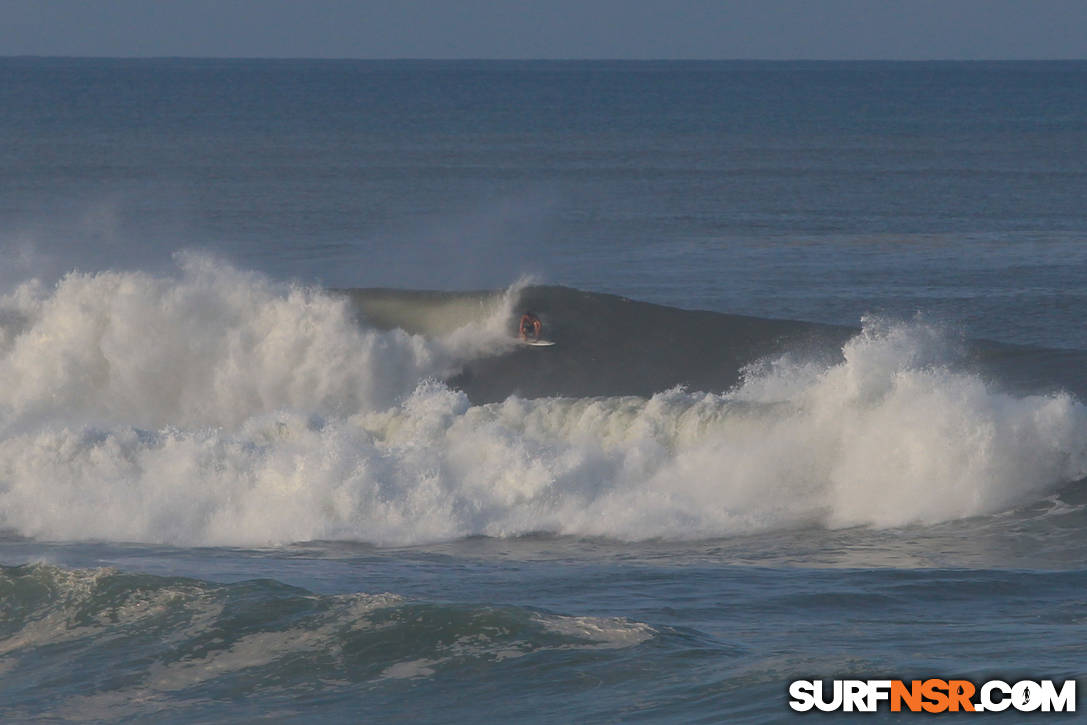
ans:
x=214 y=346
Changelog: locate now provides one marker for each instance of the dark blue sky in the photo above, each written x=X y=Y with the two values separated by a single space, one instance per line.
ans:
x=771 y=29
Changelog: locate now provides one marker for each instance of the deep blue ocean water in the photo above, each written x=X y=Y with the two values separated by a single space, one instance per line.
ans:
x=226 y=494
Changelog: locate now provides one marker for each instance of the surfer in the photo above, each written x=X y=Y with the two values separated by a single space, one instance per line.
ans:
x=530 y=327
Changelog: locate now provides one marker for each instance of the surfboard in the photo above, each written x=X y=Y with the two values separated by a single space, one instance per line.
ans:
x=538 y=343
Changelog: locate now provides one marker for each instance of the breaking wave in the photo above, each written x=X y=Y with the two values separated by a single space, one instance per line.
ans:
x=216 y=407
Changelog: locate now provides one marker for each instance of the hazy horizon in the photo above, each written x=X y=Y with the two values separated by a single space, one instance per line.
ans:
x=832 y=30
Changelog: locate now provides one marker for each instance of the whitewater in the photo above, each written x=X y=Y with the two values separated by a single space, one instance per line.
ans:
x=215 y=407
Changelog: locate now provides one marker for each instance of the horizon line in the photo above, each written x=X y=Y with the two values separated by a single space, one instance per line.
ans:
x=420 y=59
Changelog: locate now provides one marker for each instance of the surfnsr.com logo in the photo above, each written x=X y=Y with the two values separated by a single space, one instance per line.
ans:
x=932 y=695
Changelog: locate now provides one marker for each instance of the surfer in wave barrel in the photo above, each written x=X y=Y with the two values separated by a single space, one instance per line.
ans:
x=530 y=327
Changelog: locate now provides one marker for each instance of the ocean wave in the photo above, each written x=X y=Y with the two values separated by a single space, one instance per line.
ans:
x=131 y=644
x=217 y=408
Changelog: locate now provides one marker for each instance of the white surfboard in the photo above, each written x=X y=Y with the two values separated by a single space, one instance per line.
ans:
x=538 y=343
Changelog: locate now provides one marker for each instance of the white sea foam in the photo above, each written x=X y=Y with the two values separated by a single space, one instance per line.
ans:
x=217 y=408
x=212 y=347
x=603 y=632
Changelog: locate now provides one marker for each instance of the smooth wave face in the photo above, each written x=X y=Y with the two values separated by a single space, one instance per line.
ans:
x=217 y=408
x=139 y=645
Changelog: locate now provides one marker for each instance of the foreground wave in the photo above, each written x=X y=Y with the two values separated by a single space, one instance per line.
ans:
x=119 y=645
x=218 y=408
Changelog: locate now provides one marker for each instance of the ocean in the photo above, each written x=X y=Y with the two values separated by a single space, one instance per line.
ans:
x=270 y=448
